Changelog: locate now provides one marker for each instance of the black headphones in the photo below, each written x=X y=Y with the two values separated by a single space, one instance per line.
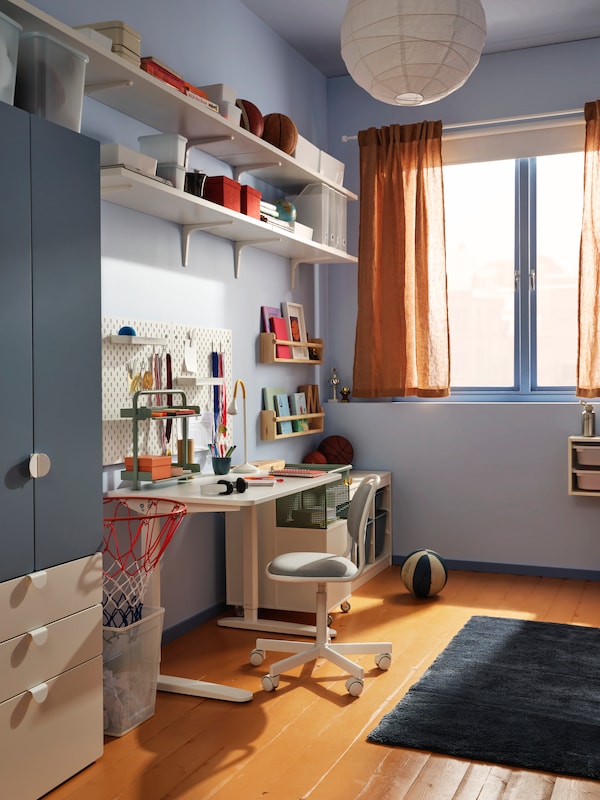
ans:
x=225 y=487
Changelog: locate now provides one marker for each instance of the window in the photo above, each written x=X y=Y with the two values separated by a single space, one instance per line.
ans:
x=512 y=239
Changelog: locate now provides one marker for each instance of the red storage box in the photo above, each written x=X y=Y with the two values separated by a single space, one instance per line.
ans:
x=250 y=201
x=153 y=67
x=224 y=191
x=158 y=466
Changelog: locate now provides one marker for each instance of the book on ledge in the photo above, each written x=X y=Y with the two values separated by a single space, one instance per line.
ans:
x=279 y=328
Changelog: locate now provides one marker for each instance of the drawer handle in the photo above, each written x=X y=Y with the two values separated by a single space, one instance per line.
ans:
x=39 y=578
x=39 y=693
x=39 y=636
x=39 y=465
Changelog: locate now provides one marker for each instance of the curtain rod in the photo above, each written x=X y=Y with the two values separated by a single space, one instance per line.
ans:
x=574 y=112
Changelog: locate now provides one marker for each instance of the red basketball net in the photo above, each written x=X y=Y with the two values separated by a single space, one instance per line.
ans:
x=136 y=532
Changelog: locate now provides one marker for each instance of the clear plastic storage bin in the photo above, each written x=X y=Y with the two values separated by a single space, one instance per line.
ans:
x=50 y=79
x=9 y=47
x=166 y=148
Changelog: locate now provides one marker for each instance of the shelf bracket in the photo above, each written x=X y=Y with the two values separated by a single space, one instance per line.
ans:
x=293 y=269
x=239 y=246
x=92 y=88
x=187 y=230
x=239 y=170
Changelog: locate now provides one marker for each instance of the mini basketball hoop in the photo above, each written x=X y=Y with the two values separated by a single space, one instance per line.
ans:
x=137 y=531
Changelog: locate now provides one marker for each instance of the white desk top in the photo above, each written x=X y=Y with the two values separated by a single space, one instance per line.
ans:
x=189 y=492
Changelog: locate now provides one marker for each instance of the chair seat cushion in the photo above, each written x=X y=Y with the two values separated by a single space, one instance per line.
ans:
x=312 y=567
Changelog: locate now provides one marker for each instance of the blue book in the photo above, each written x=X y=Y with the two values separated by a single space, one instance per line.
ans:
x=283 y=410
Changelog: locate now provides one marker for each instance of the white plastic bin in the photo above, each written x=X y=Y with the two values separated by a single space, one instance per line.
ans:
x=50 y=79
x=9 y=48
x=166 y=148
x=131 y=658
x=173 y=173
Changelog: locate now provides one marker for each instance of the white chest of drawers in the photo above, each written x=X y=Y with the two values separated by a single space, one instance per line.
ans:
x=50 y=676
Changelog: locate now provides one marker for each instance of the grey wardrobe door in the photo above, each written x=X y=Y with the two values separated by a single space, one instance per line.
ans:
x=16 y=409
x=65 y=202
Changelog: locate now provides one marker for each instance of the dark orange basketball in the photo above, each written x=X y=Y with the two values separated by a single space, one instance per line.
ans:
x=281 y=132
x=251 y=119
x=337 y=450
x=315 y=458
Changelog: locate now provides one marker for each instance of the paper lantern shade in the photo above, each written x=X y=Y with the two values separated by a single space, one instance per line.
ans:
x=412 y=52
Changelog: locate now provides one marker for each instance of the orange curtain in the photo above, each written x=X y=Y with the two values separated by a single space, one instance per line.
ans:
x=588 y=356
x=402 y=341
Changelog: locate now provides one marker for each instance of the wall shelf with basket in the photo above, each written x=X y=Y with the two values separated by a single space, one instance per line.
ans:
x=268 y=351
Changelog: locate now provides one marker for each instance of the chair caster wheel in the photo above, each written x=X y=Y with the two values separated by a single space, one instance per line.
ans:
x=354 y=686
x=383 y=660
x=329 y=620
x=257 y=657
x=270 y=682
x=345 y=606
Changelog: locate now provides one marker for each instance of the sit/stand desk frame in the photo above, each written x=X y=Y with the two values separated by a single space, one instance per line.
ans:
x=189 y=493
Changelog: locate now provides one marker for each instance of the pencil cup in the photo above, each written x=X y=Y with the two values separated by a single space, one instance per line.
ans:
x=221 y=465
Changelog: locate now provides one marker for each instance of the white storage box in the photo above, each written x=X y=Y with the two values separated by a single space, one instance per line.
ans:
x=166 y=148
x=121 y=35
x=113 y=154
x=588 y=455
x=331 y=168
x=325 y=211
x=587 y=479
x=303 y=230
x=131 y=660
x=230 y=111
x=9 y=48
x=307 y=154
x=50 y=79
x=105 y=42
x=173 y=173
x=219 y=93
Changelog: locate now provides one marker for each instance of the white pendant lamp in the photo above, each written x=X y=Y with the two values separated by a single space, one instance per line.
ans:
x=412 y=52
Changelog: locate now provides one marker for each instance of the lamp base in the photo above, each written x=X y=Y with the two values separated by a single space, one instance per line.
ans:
x=245 y=468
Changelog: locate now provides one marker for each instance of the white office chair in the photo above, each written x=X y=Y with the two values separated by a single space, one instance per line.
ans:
x=322 y=569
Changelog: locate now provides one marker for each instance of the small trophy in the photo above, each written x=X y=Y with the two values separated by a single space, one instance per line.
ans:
x=334 y=381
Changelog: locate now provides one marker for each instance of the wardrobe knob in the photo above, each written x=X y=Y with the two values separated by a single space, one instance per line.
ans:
x=39 y=465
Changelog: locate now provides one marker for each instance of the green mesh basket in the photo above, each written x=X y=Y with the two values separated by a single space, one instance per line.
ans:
x=317 y=506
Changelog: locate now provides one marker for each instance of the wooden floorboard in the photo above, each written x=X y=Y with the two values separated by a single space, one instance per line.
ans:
x=307 y=740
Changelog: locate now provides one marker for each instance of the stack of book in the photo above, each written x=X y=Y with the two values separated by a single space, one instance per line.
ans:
x=270 y=214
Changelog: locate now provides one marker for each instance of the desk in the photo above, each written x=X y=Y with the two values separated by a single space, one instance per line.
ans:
x=189 y=493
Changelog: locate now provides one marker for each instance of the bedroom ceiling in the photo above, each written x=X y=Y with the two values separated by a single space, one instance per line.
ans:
x=312 y=27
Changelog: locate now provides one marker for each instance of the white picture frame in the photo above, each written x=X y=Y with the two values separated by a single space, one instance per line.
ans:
x=293 y=314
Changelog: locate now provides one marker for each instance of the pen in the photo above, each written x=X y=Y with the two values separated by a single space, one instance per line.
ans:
x=230 y=451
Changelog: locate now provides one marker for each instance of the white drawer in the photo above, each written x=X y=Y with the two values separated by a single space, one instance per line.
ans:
x=35 y=600
x=48 y=651
x=45 y=743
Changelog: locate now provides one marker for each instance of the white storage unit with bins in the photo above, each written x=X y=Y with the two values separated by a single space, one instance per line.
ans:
x=584 y=465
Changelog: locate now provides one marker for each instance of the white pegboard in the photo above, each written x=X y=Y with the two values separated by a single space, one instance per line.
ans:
x=116 y=384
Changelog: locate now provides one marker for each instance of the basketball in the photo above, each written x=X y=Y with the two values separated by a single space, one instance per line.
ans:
x=424 y=573
x=315 y=458
x=281 y=132
x=251 y=119
x=337 y=450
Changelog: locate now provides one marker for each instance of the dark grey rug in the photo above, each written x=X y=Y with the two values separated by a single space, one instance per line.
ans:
x=507 y=691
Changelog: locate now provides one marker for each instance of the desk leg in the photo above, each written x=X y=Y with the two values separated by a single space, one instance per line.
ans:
x=250 y=619
x=213 y=691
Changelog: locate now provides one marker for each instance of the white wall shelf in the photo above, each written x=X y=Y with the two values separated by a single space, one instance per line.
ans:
x=139 y=192
x=120 y=338
x=112 y=80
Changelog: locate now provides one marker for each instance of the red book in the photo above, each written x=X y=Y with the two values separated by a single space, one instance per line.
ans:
x=279 y=328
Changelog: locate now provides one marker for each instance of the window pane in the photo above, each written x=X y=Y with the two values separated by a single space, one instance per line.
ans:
x=559 y=211
x=480 y=221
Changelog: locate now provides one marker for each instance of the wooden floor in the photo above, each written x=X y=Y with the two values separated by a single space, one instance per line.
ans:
x=307 y=739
